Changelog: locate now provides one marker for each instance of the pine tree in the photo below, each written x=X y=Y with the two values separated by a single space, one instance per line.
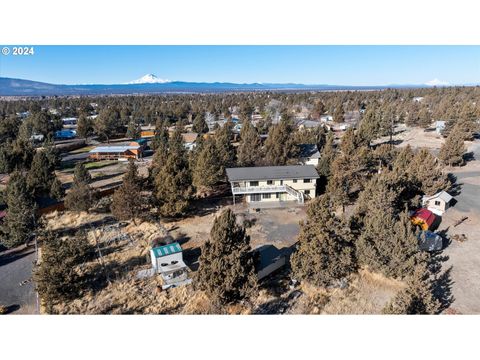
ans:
x=127 y=201
x=80 y=196
x=249 y=151
x=173 y=190
x=325 y=250
x=453 y=149
x=207 y=170
x=200 y=125
x=19 y=223
x=227 y=270
x=417 y=298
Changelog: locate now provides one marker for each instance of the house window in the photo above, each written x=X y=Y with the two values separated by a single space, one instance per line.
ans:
x=307 y=192
x=269 y=182
x=277 y=195
x=294 y=180
x=306 y=180
x=437 y=203
x=266 y=196
x=253 y=183
x=255 y=197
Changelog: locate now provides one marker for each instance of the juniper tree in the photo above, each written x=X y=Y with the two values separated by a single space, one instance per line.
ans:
x=226 y=265
x=453 y=149
x=426 y=173
x=325 y=252
x=207 y=170
x=19 y=223
x=225 y=149
x=40 y=177
x=56 y=189
x=80 y=196
x=133 y=130
x=200 y=125
x=339 y=113
x=127 y=201
x=173 y=189
x=249 y=151
x=279 y=146
x=57 y=277
x=327 y=156
x=84 y=126
x=418 y=296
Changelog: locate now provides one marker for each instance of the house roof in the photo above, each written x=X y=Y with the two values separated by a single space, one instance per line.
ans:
x=272 y=172
x=113 y=149
x=443 y=195
x=190 y=137
x=309 y=151
x=165 y=250
x=425 y=215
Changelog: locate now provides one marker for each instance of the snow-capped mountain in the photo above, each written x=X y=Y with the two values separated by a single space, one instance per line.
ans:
x=149 y=79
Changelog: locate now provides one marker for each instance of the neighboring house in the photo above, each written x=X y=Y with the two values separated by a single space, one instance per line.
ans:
x=70 y=121
x=307 y=124
x=437 y=203
x=309 y=154
x=439 y=127
x=423 y=218
x=65 y=134
x=269 y=184
x=189 y=140
x=116 y=152
x=167 y=260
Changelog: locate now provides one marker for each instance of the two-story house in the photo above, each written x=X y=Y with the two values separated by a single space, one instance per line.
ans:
x=274 y=183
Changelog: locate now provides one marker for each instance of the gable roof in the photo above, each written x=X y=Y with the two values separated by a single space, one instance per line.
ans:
x=443 y=195
x=272 y=173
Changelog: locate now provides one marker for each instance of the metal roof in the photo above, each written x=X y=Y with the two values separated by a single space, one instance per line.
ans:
x=165 y=250
x=113 y=149
x=309 y=150
x=272 y=173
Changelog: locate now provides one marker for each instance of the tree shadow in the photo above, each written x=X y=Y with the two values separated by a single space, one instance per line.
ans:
x=14 y=256
x=446 y=241
x=87 y=226
x=190 y=256
x=469 y=156
x=11 y=308
x=456 y=188
x=441 y=281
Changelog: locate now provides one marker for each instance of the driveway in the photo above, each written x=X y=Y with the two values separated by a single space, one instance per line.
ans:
x=464 y=256
x=15 y=268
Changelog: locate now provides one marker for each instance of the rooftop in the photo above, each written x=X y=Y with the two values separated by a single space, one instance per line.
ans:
x=272 y=173
x=445 y=196
x=113 y=149
x=165 y=250
x=309 y=150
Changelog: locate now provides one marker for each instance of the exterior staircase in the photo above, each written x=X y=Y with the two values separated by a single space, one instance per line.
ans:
x=297 y=194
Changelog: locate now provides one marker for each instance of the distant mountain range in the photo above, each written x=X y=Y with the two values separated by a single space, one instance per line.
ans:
x=150 y=84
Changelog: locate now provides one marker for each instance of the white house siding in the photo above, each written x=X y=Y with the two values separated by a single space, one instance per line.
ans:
x=299 y=186
x=313 y=162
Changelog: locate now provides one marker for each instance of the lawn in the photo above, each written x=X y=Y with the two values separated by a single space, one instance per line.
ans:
x=69 y=167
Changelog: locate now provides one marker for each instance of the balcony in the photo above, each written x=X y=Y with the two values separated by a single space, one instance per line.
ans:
x=236 y=190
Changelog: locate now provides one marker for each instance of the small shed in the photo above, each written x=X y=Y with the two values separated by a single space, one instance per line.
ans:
x=167 y=260
x=309 y=154
x=437 y=203
x=424 y=218
x=429 y=241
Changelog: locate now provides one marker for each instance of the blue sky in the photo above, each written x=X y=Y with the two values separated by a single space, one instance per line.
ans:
x=336 y=65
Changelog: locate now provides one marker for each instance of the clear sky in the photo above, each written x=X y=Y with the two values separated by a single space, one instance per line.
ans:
x=335 y=65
